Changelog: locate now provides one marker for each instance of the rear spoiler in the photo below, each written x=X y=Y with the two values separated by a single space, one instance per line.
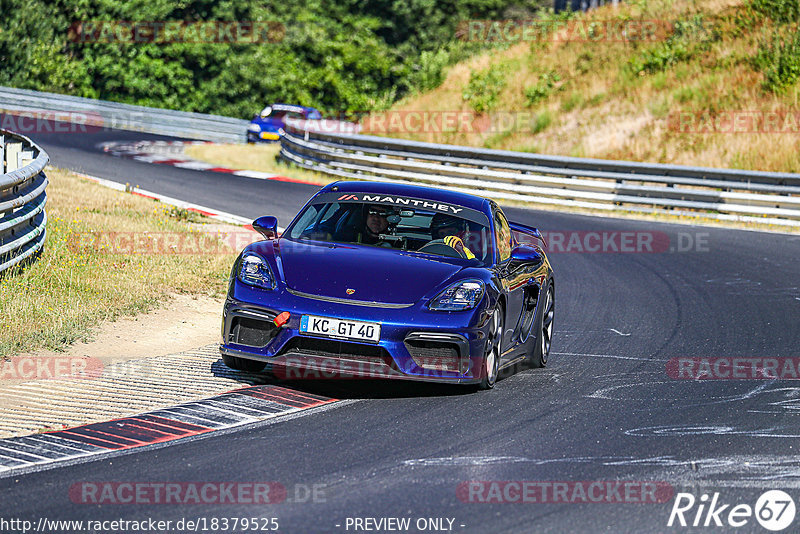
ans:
x=528 y=230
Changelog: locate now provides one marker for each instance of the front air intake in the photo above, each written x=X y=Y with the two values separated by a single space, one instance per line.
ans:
x=252 y=332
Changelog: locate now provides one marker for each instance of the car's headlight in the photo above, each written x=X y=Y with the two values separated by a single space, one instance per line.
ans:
x=254 y=127
x=255 y=271
x=462 y=295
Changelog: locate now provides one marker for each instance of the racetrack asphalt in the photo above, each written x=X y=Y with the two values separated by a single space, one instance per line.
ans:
x=604 y=409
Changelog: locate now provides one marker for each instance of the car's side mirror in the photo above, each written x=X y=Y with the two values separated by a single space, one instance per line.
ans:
x=267 y=226
x=525 y=254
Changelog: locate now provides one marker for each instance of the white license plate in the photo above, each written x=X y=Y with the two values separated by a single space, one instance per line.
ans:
x=340 y=328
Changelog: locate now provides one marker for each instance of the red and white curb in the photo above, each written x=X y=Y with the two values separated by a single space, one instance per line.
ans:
x=172 y=153
x=235 y=408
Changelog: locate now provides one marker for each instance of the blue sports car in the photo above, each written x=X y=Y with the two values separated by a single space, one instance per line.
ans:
x=268 y=125
x=375 y=280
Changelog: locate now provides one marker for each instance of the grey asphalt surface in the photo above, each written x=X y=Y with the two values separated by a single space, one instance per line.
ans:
x=248 y=197
x=603 y=409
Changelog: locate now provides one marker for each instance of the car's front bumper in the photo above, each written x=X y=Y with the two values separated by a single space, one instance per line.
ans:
x=415 y=344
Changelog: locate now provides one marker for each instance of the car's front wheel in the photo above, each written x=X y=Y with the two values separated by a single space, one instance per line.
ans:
x=541 y=350
x=243 y=364
x=491 y=357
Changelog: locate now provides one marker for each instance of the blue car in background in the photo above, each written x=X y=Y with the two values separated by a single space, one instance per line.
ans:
x=268 y=125
x=377 y=280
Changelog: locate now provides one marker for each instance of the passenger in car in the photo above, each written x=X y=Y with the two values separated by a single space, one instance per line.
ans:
x=452 y=230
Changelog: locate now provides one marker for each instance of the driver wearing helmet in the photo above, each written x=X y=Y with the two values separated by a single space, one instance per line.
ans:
x=452 y=230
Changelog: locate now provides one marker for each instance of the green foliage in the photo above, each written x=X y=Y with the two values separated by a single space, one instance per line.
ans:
x=584 y=62
x=779 y=60
x=778 y=56
x=660 y=58
x=778 y=10
x=595 y=100
x=688 y=38
x=429 y=72
x=484 y=87
x=659 y=107
x=348 y=55
x=659 y=81
x=542 y=121
x=684 y=94
x=572 y=101
x=543 y=88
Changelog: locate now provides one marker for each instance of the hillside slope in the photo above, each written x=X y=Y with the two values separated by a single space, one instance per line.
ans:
x=716 y=86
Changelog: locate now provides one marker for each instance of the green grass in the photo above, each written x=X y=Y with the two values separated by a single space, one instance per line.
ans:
x=542 y=121
x=75 y=284
x=572 y=101
x=779 y=60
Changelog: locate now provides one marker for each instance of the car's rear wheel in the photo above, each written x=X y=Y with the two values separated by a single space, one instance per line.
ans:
x=544 y=337
x=491 y=357
x=243 y=364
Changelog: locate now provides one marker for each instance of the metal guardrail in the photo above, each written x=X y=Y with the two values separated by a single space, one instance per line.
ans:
x=769 y=197
x=727 y=194
x=50 y=107
x=22 y=198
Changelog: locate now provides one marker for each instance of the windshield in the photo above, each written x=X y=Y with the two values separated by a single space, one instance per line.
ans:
x=423 y=231
x=280 y=114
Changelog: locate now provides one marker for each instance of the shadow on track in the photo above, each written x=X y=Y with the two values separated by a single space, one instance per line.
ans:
x=356 y=388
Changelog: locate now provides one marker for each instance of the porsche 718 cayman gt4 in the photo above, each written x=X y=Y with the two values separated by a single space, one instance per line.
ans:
x=376 y=280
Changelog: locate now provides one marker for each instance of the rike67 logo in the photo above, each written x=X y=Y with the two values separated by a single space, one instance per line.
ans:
x=774 y=510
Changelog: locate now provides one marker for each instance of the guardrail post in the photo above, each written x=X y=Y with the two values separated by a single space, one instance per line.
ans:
x=24 y=157
x=12 y=156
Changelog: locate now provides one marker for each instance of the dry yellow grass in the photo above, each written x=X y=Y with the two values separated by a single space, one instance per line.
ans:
x=253 y=157
x=600 y=108
x=79 y=281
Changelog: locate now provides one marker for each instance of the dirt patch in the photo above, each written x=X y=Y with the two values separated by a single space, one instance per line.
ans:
x=185 y=322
